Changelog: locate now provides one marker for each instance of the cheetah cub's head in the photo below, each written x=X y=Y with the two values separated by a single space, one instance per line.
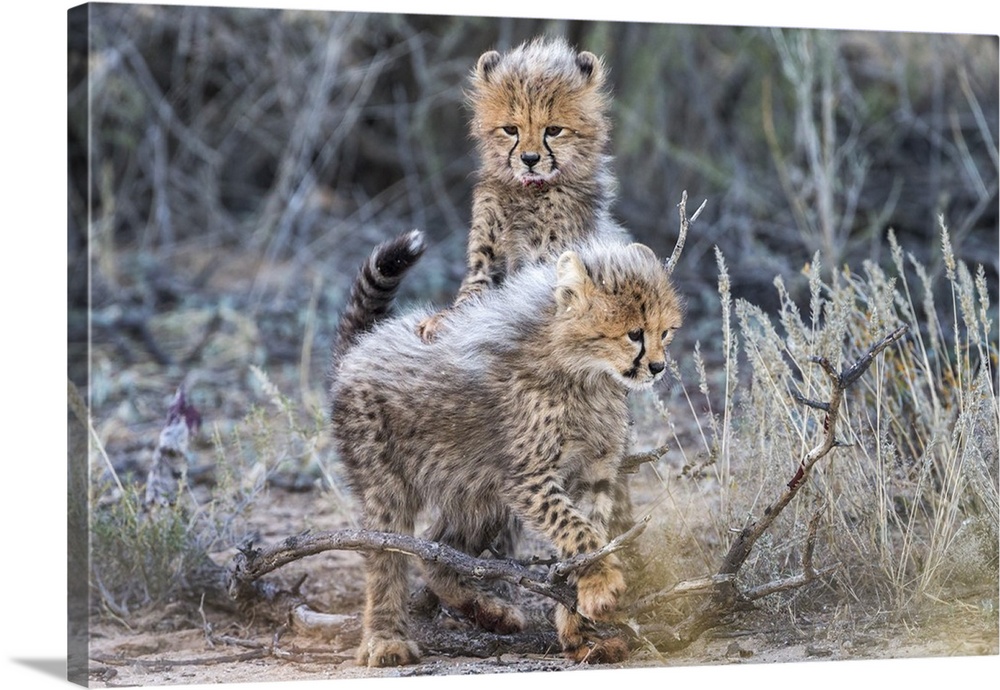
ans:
x=616 y=312
x=540 y=114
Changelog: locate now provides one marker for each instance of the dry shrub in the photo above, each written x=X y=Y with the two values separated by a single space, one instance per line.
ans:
x=145 y=554
x=909 y=503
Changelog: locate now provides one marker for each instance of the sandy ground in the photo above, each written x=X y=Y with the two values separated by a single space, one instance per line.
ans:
x=181 y=645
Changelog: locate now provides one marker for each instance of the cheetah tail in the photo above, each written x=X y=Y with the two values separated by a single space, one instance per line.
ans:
x=375 y=287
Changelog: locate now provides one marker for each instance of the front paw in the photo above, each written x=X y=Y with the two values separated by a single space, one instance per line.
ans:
x=598 y=589
x=379 y=651
x=429 y=328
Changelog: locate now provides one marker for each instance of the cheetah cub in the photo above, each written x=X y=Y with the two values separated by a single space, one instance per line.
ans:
x=544 y=183
x=517 y=412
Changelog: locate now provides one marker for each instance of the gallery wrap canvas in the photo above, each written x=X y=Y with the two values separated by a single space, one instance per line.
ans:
x=811 y=478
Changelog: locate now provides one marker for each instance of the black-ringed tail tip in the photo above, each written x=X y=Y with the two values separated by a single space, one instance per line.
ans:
x=393 y=257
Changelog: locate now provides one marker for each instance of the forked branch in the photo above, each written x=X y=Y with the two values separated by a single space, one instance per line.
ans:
x=675 y=255
x=725 y=595
x=840 y=381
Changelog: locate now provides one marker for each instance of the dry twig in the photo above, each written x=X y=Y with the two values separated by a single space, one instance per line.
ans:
x=631 y=463
x=675 y=255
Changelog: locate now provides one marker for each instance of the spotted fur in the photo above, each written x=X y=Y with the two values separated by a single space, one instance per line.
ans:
x=517 y=413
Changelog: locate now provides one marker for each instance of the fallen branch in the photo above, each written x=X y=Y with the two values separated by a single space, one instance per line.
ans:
x=307 y=619
x=701 y=585
x=252 y=563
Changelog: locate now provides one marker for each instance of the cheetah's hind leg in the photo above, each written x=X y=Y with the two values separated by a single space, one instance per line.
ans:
x=473 y=601
x=386 y=640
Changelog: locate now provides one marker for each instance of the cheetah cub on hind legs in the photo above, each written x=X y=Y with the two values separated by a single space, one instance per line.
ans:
x=518 y=412
x=544 y=181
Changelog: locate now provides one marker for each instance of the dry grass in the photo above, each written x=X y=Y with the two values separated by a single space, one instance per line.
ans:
x=909 y=504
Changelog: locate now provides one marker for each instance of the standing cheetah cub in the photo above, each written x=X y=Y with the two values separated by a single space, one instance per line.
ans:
x=541 y=128
x=517 y=412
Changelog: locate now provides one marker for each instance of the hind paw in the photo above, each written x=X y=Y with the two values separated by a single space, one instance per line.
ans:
x=494 y=615
x=613 y=650
x=387 y=652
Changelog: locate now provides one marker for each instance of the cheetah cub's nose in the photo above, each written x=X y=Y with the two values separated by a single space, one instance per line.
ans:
x=656 y=367
x=529 y=158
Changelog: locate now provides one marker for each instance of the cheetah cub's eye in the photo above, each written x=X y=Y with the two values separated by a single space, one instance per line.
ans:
x=510 y=130
x=635 y=335
x=553 y=131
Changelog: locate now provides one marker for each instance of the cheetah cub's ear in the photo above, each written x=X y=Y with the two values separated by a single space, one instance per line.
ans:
x=643 y=249
x=573 y=284
x=486 y=64
x=590 y=66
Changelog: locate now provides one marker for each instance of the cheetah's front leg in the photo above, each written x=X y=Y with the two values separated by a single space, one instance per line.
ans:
x=481 y=274
x=544 y=504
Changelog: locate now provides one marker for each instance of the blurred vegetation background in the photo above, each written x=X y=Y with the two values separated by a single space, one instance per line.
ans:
x=299 y=139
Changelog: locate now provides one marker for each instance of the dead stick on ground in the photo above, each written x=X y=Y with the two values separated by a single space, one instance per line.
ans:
x=252 y=563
